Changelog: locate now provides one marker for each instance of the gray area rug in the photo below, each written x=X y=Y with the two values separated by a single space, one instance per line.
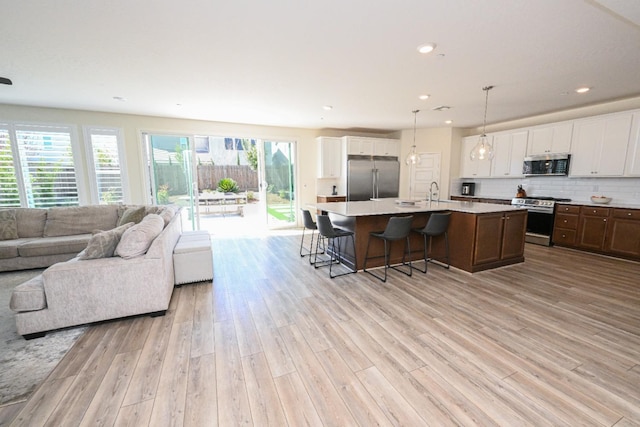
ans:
x=25 y=364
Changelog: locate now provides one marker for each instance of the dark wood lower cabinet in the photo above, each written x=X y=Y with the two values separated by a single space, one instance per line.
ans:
x=623 y=233
x=592 y=228
x=609 y=231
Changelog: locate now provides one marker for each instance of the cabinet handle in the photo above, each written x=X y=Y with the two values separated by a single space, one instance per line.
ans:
x=564 y=235
x=565 y=221
x=629 y=214
x=605 y=220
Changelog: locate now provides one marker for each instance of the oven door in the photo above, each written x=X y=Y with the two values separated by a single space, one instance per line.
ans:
x=539 y=227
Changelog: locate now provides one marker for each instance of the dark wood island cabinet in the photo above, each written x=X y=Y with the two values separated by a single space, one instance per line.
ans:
x=481 y=236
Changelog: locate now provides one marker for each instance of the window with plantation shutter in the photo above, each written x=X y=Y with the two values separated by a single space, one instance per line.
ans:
x=46 y=162
x=37 y=167
x=106 y=165
x=9 y=194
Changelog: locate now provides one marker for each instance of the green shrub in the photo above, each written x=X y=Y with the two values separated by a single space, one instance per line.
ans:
x=227 y=185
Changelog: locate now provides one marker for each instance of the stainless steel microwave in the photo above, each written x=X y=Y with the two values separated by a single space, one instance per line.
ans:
x=547 y=164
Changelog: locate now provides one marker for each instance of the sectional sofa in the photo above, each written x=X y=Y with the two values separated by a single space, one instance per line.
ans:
x=105 y=262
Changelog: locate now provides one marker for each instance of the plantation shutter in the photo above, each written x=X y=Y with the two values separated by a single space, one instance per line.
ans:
x=9 y=194
x=108 y=179
x=46 y=161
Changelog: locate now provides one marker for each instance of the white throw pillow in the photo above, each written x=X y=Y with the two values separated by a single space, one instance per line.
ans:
x=136 y=240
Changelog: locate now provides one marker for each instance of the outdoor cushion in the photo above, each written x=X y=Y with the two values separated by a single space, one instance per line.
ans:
x=8 y=225
x=29 y=296
x=136 y=240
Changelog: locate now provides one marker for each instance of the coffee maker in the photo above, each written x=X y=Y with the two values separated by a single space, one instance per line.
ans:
x=468 y=188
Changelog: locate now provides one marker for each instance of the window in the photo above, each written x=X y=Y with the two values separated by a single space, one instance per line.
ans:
x=106 y=163
x=41 y=159
x=9 y=195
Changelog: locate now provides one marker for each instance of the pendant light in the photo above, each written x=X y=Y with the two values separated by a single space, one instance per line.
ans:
x=483 y=149
x=413 y=158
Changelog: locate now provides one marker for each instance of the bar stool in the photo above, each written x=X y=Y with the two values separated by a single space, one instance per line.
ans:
x=437 y=225
x=308 y=224
x=398 y=228
x=331 y=234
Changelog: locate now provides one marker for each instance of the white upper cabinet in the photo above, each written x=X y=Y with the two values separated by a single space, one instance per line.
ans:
x=600 y=145
x=364 y=146
x=386 y=147
x=509 y=151
x=547 y=139
x=359 y=146
x=329 y=157
x=633 y=152
x=475 y=168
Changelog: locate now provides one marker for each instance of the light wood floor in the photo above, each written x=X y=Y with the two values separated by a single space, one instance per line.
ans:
x=553 y=341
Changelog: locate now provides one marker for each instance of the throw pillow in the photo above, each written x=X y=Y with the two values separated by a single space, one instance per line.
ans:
x=134 y=215
x=136 y=240
x=104 y=243
x=8 y=224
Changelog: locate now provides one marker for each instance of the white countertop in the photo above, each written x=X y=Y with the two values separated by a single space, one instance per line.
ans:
x=390 y=207
x=611 y=204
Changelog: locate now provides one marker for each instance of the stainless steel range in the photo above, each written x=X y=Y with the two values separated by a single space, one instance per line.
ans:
x=540 y=217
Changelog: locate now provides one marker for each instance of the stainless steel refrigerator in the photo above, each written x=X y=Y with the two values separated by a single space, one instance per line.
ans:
x=375 y=178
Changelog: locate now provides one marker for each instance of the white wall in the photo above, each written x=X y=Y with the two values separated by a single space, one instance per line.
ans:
x=134 y=125
x=432 y=140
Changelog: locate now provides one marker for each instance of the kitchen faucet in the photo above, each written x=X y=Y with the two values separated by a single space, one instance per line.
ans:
x=431 y=191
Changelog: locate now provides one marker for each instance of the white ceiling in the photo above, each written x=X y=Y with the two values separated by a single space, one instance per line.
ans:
x=278 y=62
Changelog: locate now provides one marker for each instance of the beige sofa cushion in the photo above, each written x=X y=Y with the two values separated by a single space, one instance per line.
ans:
x=133 y=214
x=45 y=246
x=9 y=248
x=31 y=221
x=66 y=221
x=8 y=224
x=104 y=243
x=29 y=296
x=136 y=240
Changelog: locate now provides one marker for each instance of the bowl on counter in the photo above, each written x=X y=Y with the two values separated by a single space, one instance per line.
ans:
x=600 y=199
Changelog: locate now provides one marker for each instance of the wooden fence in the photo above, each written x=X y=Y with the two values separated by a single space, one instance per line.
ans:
x=210 y=175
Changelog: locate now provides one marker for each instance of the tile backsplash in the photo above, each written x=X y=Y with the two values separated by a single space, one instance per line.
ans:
x=622 y=190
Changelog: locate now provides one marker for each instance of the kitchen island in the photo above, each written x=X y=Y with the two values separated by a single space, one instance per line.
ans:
x=481 y=235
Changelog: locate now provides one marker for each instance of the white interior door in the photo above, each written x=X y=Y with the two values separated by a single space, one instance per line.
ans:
x=424 y=173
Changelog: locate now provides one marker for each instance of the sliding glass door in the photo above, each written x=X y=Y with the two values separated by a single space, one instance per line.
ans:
x=277 y=173
x=172 y=176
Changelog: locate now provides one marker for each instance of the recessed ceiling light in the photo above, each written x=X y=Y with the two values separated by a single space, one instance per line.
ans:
x=583 y=89
x=448 y=122
x=426 y=48
x=327 y=107
x=423 y=97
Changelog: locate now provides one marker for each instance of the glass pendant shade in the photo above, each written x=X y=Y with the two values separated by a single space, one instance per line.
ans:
x=482 y=150
x=413 y=158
